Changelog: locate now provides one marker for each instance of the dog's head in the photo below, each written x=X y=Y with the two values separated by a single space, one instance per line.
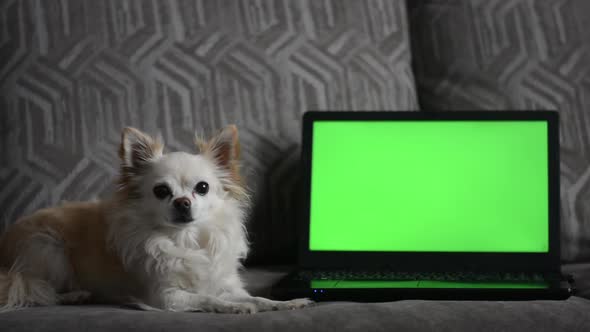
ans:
x=178 y=189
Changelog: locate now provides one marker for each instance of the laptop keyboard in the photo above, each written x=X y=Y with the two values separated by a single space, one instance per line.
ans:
x=438 y=276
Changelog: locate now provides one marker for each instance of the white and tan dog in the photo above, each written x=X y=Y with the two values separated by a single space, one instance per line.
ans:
x=172 y=237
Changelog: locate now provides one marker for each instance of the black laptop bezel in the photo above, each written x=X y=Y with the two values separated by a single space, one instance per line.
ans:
x=433 y=261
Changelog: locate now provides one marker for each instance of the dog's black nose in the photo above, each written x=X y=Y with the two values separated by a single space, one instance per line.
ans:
x=182 y=205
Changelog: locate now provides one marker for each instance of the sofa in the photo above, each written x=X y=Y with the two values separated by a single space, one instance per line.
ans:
x=74 y=73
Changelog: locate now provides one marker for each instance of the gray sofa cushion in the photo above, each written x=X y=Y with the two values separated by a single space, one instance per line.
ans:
x=75 y=73
x=520 y=54
x=570 y=315
x=581 y=273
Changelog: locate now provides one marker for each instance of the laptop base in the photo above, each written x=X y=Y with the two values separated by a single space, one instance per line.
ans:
x=392 y=290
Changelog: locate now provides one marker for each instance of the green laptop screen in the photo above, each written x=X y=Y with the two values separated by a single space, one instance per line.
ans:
x=429 y=186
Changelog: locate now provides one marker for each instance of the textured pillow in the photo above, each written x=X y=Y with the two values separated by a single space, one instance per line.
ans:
x=520 y=54
x=74 y=73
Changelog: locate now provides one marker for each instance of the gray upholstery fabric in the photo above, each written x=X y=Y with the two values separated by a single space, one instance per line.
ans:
x=73 y=73
x=520 y=54
x=570 y=315
x=581 y=273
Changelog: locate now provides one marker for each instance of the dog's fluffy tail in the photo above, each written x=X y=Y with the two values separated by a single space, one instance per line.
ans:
x=19 y=291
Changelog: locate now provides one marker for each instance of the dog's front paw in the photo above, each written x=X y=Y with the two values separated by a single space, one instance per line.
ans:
x=267 y=305
x=243 y=308
x=229 y=308
x=298 y=303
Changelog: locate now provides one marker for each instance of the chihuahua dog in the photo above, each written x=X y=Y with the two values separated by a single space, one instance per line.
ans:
x=172 y=237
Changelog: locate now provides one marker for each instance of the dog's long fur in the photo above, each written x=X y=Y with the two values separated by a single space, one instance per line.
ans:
x=130 y=247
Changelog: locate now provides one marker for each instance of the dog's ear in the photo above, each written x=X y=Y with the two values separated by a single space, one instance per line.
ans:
x=137 y=149
x=223 y=148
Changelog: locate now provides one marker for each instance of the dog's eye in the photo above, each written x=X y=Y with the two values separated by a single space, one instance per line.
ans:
x=202 y=188
x=162 y=191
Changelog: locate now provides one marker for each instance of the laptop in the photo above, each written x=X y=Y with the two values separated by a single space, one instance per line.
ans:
x=429 y=205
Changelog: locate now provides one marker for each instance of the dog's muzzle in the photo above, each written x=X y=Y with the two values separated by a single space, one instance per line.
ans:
x=182 y=210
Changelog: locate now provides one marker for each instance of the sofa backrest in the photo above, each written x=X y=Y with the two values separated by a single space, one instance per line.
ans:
x=520 y=54
x=74 y=73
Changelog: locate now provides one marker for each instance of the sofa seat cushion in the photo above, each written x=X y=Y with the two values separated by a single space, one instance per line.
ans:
x=413 y=315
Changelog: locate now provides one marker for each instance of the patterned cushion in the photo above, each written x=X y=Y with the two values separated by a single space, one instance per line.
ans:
x=520 y=54
x=74 y=73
